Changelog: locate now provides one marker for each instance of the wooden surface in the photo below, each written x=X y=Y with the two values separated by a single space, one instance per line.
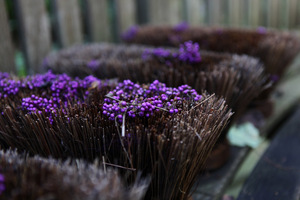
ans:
x=6 y=48
x=277 y=174
x=98 y=20
x=165 y=11
x=68 y=22
x=35 y=32
x=211 y=185
x=195 y=11
x=285 y=97
x=126 y=14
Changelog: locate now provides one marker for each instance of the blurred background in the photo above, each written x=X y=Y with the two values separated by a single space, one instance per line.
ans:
x=30 y=29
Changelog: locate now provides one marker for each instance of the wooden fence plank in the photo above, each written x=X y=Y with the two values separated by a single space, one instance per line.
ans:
x=235 y=14
x=68 y=22
x=35 y=32
x=254 y=13
x=292 y=14
x=195 y=11
x=214 y=12
x=273 y=13
x=165 y=11
x=98 y=20
x=142 y=11
x=6 y=48
x=126 y=14
x=284 y=14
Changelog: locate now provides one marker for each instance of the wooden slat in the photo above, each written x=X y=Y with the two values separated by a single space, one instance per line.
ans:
x=68 y=22
x=276 y=176
x=195 y=11
x=6 y=48
x=165 y=11
x=126 y=14
x=284 y=14
x=273 y=13
x=142 y=11
x=214 y=12
x=254 y=13
x=292 y=14
x=35 y=32
x=98 y=20
x=235 y=13
x=245 y=12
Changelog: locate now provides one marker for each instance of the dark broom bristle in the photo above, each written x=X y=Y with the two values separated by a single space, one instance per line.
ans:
x=239 y=79
x=275 y=49
x=171 y=148
x=33 y=178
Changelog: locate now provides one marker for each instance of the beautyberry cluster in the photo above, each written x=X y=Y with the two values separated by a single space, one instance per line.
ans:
x=8 y=87
x=50 y=90
x=2 y=186
x=188 y=53
x=37 y=104
x=144 y=100
x=181 y=27
x=130 y=33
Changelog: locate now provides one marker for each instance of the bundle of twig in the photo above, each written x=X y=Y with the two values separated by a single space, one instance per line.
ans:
x=239 y=79
x=275 y=49
x=39 y=178
x=163 y=132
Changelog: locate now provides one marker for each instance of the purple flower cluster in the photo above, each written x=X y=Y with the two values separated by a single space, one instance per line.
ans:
x=188 y=53
x=261 y=30
x=8 y=87
x=37 y=104
x=130 y=33
x=181 y=27
x=2 y=185
x=53 y=90
x=144 y=100
x=93 y=65
x=160 y=53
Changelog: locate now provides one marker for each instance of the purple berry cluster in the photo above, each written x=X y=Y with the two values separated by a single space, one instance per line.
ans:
x=93 y=65
x=2 y=185
x=130 y=33
x=35 y=103
x=188 y=53
x=49 y=90
x=63 y=89
x=181 y=27
x=159 y=53
x=8 y=87
x=144 y=100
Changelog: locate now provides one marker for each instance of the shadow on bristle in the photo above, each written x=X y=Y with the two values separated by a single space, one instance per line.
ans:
x=39 y=178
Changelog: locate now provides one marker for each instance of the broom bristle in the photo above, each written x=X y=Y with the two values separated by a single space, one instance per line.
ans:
x=171 y=146
x=238 y=79
x=275 y=49
x=40 y=178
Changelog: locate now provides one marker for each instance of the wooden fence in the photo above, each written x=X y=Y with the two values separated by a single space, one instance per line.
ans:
x=70 y=22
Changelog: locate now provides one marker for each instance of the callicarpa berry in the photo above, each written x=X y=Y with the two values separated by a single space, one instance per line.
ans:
x=144 y=100
x=188 y=52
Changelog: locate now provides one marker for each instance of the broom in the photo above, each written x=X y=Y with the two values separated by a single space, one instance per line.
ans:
x=275 y=49
x=152 y=129
x=25 y=177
